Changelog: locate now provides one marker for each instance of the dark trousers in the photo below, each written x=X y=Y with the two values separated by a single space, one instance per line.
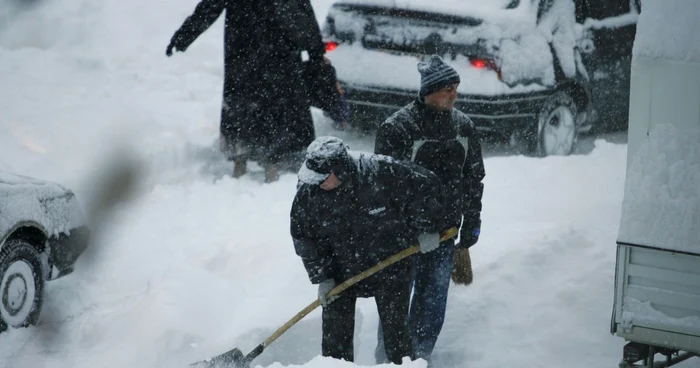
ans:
x=431 y=282
x=392 y=304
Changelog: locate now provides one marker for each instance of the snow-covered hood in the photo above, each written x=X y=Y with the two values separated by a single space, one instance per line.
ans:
x=29 y=200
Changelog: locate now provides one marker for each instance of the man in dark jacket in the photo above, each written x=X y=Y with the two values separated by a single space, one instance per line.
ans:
x=431 y=133
x=265 y=114
x=352 y=211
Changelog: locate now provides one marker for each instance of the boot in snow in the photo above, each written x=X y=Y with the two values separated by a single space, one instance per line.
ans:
x=239 y=168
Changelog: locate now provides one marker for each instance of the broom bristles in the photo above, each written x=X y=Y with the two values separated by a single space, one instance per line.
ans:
x=462 y=267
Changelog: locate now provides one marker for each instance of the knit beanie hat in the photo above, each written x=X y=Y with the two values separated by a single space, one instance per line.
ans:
x=325 y=155
x=435 y=75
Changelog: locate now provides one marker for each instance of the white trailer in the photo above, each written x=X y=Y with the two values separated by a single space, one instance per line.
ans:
x=657 y=283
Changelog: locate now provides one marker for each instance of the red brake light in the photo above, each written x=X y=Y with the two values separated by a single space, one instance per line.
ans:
x=478 y=63
x=485 y=63
x=330 y=46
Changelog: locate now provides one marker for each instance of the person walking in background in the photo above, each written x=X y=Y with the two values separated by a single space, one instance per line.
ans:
x=265 y=115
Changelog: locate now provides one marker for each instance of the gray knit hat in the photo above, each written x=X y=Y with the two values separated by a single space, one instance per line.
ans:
x=324 y=155
x=435 y=75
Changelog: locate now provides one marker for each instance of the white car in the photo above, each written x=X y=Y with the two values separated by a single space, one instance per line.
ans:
x=42 y=234
x=537 y=72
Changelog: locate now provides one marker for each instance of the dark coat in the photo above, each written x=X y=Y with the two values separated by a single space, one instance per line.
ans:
x=445 y=143
x=265 y=109
x=381 y=211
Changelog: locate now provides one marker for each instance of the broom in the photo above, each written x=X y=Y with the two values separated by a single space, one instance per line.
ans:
x=462 y=267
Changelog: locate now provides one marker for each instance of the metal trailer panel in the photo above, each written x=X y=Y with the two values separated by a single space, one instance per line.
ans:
x=670 y=283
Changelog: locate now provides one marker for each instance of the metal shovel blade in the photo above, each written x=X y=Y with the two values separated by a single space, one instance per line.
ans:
x=231 y=359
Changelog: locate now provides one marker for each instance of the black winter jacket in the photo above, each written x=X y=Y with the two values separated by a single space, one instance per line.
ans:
x=379 y=212
x=445 y=143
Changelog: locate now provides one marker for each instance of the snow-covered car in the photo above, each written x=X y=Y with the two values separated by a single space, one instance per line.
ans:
x=42 y=234
x=524 y=64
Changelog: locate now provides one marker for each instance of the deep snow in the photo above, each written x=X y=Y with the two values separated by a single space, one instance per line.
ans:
x=200 y=262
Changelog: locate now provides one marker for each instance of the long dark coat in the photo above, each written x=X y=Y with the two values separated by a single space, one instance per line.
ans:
x=265 y=112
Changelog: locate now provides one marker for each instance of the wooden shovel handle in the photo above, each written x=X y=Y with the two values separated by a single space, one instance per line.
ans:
x=448 y=234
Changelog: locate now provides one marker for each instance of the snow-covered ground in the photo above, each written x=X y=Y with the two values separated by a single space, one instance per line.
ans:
x=199 y=262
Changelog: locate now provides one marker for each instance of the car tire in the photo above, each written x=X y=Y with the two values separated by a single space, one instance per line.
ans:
x=557 y=133
x=21 y=284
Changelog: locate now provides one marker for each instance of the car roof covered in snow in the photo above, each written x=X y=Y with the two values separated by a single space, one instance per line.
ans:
x=7 y=178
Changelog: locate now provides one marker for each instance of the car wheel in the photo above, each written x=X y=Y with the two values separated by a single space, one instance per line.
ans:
x=556 y=126
x=21 y=284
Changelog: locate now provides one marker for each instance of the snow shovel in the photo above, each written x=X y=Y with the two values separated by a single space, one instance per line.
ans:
x=234 y=358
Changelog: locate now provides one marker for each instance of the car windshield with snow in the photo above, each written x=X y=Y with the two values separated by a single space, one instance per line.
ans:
x=525 y=66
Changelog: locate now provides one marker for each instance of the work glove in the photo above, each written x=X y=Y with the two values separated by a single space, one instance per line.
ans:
x=469 y=234
x=428 y=242
x=323 y=288
x=169 y=50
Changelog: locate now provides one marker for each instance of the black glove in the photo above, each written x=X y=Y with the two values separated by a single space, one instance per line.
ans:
x=469 y=234
x=177 y=43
